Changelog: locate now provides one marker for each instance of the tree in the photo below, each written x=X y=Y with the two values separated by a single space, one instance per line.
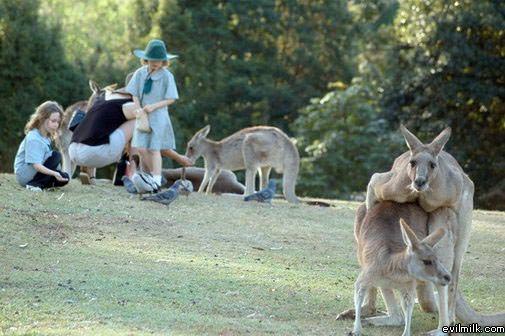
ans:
x=32 y=70
x=450 y=70
x=344 y=142
x=98 y=36
x=342 y=137
x=252 y=62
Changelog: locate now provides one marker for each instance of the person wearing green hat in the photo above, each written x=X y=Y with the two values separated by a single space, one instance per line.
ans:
x=153 y=89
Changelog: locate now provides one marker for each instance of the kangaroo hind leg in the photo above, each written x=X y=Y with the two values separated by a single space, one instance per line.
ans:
x=264 y=176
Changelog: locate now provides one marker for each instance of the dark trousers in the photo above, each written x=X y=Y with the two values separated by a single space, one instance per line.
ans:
x=44 y=181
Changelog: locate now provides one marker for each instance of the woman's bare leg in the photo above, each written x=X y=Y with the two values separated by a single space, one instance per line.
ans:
x=156 y=162
x=145 y=159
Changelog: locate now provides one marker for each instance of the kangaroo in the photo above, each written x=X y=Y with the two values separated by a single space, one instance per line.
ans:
x=259 y=148
x=226 y=183
x=392 y=256
x=434 y=179
x=65 y=135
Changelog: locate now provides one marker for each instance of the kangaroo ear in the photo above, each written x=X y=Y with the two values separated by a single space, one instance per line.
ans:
x=409 y=237
x=435 y=237
x=94 y=86
x=412 y=141
x=111 y=87
x=204 y=131
x=439 y=142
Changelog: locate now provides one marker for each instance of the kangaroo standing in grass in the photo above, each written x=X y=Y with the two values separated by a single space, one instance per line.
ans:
x=392 y=257
x=65 y=136
x=259 y=148
x=434 y=179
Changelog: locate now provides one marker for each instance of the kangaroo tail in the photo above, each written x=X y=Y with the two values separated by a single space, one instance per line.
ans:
x=290 y=172
x=467 y=315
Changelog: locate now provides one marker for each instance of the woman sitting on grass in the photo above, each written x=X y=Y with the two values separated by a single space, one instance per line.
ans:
x=36 y=164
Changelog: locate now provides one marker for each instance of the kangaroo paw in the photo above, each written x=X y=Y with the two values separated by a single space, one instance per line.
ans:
x=349 y=314
x=346 y=315
x=384 y=321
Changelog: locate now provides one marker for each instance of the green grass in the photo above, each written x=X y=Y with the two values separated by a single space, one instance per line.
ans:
x=96 y=261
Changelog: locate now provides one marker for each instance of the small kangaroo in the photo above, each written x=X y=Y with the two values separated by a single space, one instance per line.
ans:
x=65 y=136
x=259 y=148
x=393 y=257
x=442 y=218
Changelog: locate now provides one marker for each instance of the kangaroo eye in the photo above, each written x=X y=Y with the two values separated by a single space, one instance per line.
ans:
x=433 y=165
x=413 y=163
x=427 y=262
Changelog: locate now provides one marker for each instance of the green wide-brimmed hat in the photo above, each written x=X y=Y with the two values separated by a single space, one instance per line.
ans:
x=155 y=51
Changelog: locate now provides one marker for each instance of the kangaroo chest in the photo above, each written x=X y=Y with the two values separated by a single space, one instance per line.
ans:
x=437 y=196
x=432 y=201
x=394 y=281
x=440 y=195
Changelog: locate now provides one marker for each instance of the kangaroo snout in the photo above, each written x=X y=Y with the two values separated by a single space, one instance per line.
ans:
x=445 y=280
x=420 y=183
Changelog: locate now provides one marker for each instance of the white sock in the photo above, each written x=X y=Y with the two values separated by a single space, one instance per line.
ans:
x=157 y=179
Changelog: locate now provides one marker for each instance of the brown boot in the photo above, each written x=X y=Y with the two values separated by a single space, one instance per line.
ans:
x=85 y=178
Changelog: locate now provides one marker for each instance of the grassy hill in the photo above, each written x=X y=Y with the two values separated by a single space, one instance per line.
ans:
x=94 y=260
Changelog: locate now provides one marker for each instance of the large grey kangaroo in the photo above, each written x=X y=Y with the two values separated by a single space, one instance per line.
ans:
x=434 y=179
x=259 y=148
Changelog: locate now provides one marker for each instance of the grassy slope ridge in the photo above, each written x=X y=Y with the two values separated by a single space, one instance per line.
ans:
x=96 y=261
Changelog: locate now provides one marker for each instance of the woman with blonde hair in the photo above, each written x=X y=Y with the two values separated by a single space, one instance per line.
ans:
x=36 y=164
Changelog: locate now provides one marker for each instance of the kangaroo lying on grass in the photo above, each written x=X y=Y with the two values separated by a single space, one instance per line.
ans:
x=392 y=257
x=434 y=179
x=226 y=182
x=259 y=148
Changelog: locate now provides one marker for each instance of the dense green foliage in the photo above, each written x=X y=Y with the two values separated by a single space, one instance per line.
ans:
x=253 y=62
x=32 y=69
x=451 y=71
x=343 y=135
x=373 y=64
x=435 y=64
